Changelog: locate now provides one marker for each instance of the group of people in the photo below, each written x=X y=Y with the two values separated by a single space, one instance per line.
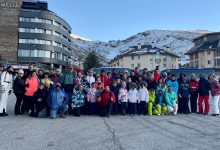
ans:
x=107 y=93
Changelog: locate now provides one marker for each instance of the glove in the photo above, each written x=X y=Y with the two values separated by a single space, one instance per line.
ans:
x=9 y=93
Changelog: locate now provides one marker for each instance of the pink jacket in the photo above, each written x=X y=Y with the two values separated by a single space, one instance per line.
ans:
x=92 y=95
x=31 y=86
x=215 y=88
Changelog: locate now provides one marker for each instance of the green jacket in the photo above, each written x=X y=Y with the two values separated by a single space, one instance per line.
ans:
x=68 y=78
x=170 y=98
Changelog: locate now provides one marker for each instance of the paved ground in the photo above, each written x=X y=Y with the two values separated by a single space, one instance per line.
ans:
x=188 y=132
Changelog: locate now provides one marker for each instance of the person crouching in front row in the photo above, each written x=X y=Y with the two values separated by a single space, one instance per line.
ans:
x=40 y=99
x=171 y=101
x=58 y=101
x=106 y=98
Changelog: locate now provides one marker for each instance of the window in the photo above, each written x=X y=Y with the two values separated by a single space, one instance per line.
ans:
x=46 y=21
x=26 y=19
x=197 y=64
x=139 y=65
x=151 y=59
x=57 y=34
x=132 y=57
x=196 y=56
x=57 y=23
x=132 y=65
x=57 y=44
x=64 y=58
x=29 y=30
x=208 y=52
x=23 y=53
x=59 y=56
x=164 y=65
x=139 y=57
x=32 y=41
x=191 y=57
x=164 y=59
x=209 y=62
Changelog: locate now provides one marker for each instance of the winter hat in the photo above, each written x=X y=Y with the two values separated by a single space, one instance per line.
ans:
x=79 y=70
x=157 y=68
x=58 y=85
x=9 y=67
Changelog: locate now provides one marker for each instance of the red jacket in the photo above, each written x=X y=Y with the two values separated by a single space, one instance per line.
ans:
x=194 y=85
x=156 y=76
x=105 y=80
x=105 y=98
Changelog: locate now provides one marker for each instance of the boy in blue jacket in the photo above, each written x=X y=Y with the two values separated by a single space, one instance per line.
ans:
x=58 y=101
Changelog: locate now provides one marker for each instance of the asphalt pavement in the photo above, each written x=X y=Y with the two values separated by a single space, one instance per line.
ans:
x=181 y=132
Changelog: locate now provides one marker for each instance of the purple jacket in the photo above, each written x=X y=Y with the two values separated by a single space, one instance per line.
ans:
x=215 y=88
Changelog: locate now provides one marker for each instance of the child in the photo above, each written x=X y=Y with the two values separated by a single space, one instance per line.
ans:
x=171 y=99
x=123 y=97
x=106 y=98
x=161 y=108
x=46 y=81
x=133 y=98
x=40 y=99
x=143 y=98
x=78 y=100
x=115 y=89
x=152 y=98
x=92 y=99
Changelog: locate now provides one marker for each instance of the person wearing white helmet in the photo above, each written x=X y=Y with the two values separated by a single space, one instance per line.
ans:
x=19 y=90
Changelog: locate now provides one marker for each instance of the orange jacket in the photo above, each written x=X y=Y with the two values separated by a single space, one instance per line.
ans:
x=31 y=86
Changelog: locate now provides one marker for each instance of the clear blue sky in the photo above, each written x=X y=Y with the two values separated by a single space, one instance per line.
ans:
x=118 y=19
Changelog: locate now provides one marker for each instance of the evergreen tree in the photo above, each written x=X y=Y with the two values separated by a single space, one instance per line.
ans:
x=92 y=60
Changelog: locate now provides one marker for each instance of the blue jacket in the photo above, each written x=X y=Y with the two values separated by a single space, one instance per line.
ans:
x=174 y=85
x=57 y=99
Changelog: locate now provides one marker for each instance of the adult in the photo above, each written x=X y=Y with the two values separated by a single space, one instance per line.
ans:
x=204 y=88
x=31 y=84
x=184 y=95
x=19 y=90
x=57 y=100
x=90 y=77
x=29 y=71
x=68 y=83
x=6 y=89
x=194 y=87
x=173 y=84
x=215 y=92
x=55 y=78
x=171 y=101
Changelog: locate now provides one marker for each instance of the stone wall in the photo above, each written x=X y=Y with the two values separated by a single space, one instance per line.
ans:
x=9 y=21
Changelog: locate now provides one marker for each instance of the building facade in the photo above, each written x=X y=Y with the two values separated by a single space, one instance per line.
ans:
x=206 y=52
x=44 y=37
x=146 y=56
x=9 y=20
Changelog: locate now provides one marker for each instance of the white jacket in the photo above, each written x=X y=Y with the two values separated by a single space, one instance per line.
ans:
x=133 y=96
x=123 y=95
x=143 y=95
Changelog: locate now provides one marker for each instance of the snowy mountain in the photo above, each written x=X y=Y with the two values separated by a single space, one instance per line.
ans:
x=178 y=42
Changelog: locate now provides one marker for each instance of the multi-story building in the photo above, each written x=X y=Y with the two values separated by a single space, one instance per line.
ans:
x=44 y=37
x=206 y=52
x=146 y=56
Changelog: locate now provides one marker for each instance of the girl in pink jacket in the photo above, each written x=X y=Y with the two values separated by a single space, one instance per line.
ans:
x=92 y=99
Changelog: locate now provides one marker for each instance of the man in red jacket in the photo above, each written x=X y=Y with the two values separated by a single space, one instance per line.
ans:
x=106 y=98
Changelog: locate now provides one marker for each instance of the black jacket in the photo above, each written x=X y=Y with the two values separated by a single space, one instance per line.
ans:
x=43 y=94
x=19 y=86
x=204 y=87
